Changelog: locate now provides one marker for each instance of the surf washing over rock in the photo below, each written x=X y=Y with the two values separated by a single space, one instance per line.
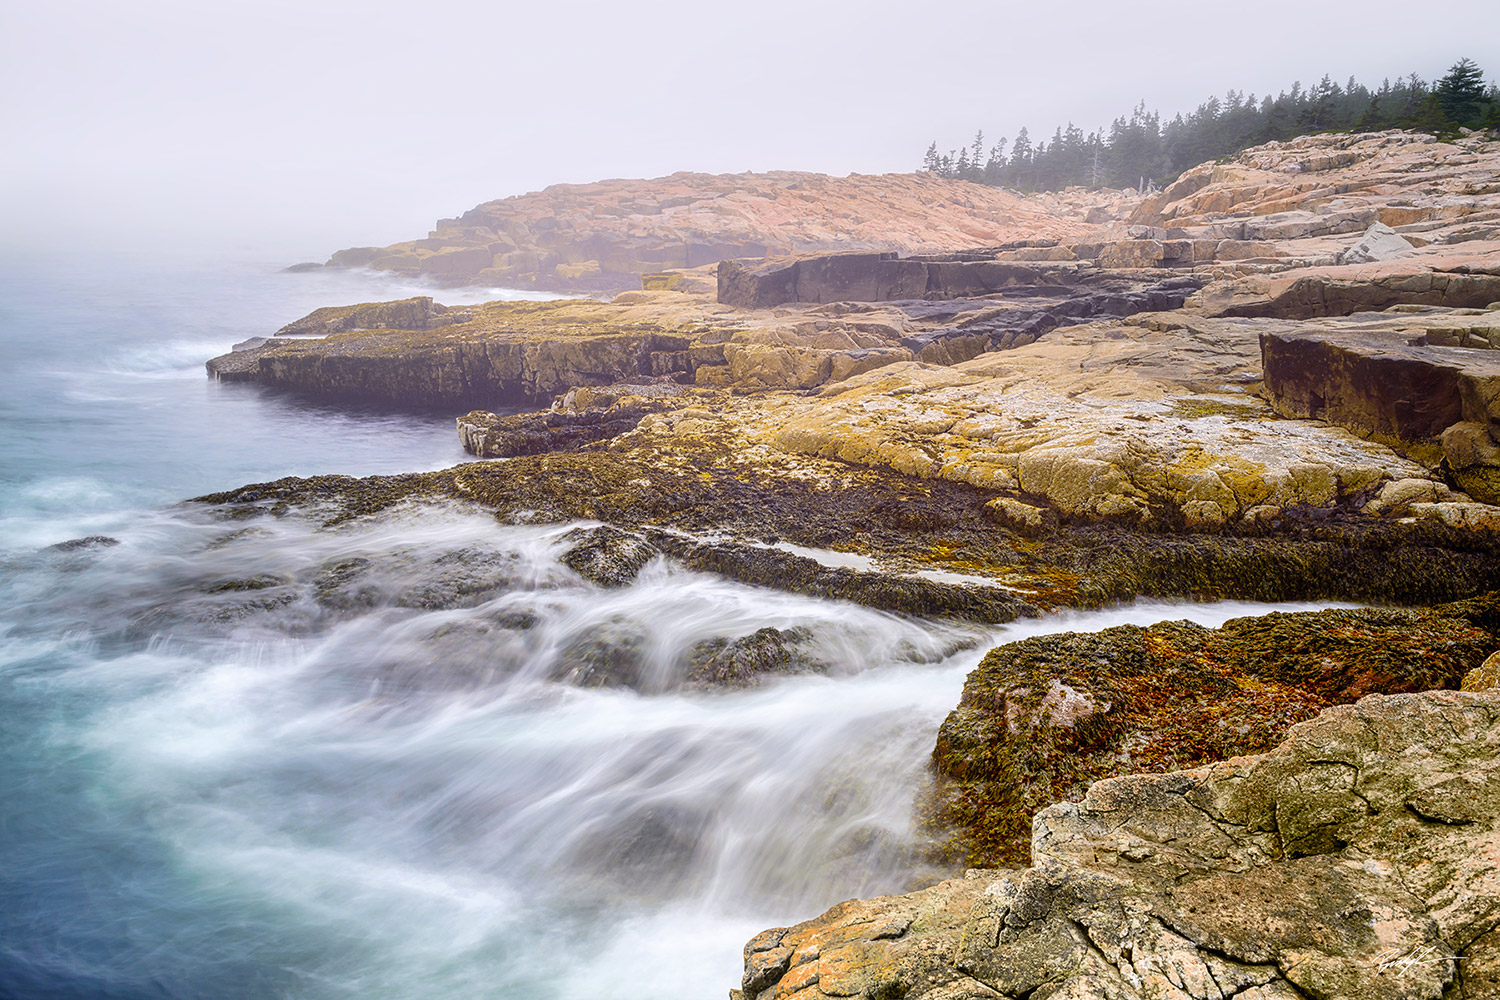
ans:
x=816 y=564
x=422 y=756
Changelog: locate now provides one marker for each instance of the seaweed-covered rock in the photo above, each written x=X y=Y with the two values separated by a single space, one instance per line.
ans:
x=463 y=578
x=688 y=490
x=744 y=660
x=606 y=555
x=346 y=584
x=83 y=544
x=614 y=653
x=1042 y=718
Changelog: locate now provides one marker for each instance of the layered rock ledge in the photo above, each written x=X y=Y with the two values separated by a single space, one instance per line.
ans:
x=419 y=354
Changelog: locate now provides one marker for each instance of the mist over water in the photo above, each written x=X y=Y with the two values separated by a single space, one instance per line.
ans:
x=244 y=757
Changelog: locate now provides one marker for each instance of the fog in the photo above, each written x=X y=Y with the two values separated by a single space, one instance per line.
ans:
x=298 y=128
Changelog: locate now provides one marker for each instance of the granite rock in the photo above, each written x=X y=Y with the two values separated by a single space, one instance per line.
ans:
x=1357 y=860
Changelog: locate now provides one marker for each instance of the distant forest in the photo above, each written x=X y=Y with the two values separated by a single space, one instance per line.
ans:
x=1143 y=148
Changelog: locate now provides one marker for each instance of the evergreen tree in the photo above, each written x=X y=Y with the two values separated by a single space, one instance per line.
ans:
x=1020 y=160
x=1461 y=94
x=930 y=162
x=1141 y=149
x=994 y=167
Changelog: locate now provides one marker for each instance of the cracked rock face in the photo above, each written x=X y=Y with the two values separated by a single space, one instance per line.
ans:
x=1360 y=859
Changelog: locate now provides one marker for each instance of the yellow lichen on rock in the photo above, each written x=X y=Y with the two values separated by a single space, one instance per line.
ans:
x=1092 y=420
x=1485 y=677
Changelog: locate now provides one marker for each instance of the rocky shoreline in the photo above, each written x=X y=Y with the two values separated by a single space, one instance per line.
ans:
x=1275 y=380
x=1356 y=860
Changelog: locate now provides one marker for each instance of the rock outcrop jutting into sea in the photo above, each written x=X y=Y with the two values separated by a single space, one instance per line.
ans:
x=604 y=236
x=1276 y=379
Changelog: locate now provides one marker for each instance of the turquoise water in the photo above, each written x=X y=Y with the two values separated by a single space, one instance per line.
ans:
x=219 y=781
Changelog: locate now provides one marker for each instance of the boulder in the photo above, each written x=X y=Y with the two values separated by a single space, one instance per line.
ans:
x=748 y=659
x=1022 y=517
x=611 y=654
x=607 y=556
x=1485 y=677
x=1396 y=496
x=1378 y=386
x=1473 y=460
x=1380 y=242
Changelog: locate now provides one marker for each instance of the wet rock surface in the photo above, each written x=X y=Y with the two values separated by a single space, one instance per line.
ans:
x=748 y=659
x=606 y=556
x=932 y=545
x=1355 y=860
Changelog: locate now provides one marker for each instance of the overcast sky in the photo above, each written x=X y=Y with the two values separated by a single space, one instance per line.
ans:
x=314 y=125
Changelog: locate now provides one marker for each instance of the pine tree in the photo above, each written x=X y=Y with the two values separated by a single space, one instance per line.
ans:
x=1141 y=149
x=1460 y=95
x=1019 y=168
x=994 y=167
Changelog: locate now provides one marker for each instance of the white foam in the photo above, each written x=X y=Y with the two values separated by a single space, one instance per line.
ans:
x=439 y=838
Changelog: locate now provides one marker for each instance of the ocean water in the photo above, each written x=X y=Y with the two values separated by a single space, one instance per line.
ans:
x=246 y=758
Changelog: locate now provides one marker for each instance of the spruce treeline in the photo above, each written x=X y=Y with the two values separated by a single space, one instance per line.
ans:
x=1141 y=148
